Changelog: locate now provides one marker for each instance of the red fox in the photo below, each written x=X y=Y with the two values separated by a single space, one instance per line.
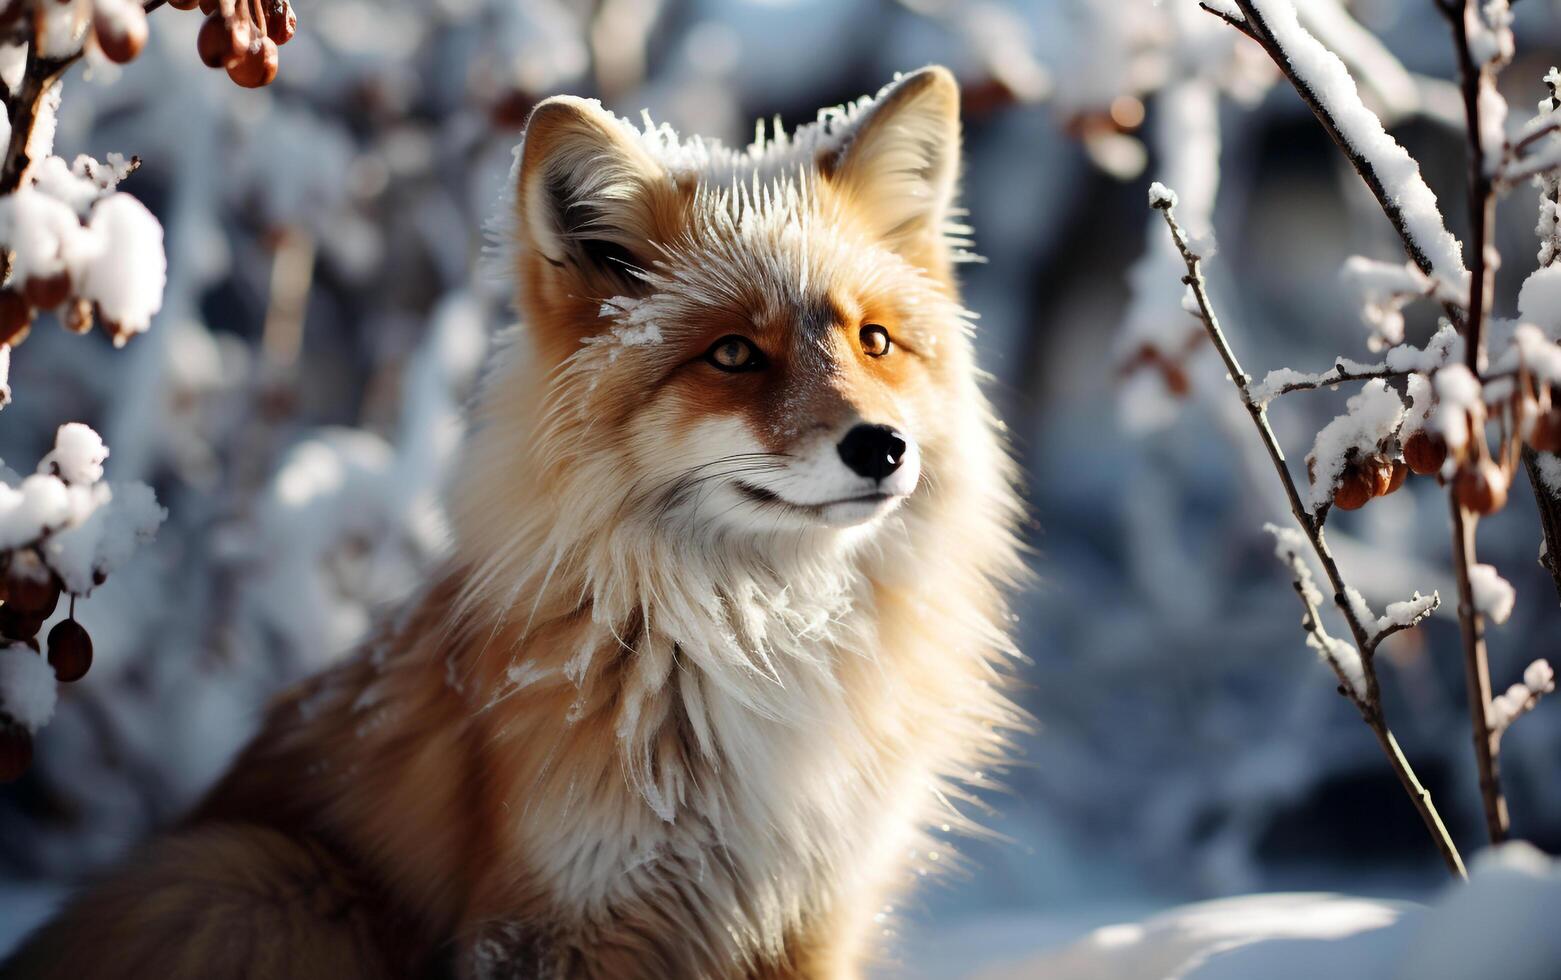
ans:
x=722 y=632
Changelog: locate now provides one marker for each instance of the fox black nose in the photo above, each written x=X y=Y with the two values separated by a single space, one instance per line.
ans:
x=873 y=451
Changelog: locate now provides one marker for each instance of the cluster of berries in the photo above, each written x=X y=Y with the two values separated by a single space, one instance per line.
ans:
x=1480 y=477
x=31 y=592
x=20 y=305
x=242 y=36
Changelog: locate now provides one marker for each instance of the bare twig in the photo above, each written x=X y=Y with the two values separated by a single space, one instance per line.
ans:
x=1477 y=676
x=1367 y=697
x=1474 y=79
x=1516 y=150
x=1235 y=22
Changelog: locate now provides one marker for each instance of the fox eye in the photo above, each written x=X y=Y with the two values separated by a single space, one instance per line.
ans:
x=733 y=353
x=875 y=340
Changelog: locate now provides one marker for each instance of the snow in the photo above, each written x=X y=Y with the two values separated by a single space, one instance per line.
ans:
x=85 y=528
x=1539 y=301
x=27 y=687
x=1539 y=354
x=43 y=233
x=1325 y=76
x=1459 y=399
x=1384 y=288
x=1550 y=471
x=94 y=546
x=1397 y=616
x=1422 y=400
x=1226 y=7
x=1538 y=676
x=1441 y=348
x=1492 y=110
x=1445 y=345
x=1493 y=595
x=1290 y=546
x=39 y=504
x=128 y=271
x=77 y=456
x=1161 y=196
x=1370 y=419
x=1501 y=923
x=1538 y=680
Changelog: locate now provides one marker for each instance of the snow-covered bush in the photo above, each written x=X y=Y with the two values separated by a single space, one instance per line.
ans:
x=1480 y=391
x=63 y=530
x=73 y=244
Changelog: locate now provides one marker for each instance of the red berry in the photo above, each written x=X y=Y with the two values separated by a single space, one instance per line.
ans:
x=281 y=21
x=16 y=750
x=1357 y=484
x=257 y=66
x=30 y=587
x=1400 y=473
x=47 y=292
x=120 y=38
x=184 y=4
x=18 y=625
x=1380 y=471
x=1481 y=487
x=70 y=650
x=16 y=315
x=1425 y=452
x=208 y=6
x=214 y=42
x=1546 y=434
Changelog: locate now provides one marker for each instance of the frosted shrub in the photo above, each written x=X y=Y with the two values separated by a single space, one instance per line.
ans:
x=73 y=244
x=1480 y=401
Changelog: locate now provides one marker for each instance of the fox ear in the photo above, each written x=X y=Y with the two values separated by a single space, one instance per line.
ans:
x=901 y=161
x=586 y=195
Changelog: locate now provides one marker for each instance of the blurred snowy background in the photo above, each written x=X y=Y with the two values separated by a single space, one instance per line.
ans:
x=297 y=399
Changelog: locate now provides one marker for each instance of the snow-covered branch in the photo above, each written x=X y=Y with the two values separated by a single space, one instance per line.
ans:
x=1353 y=466
x=63 y=531
x=1391 y=174
x=1353 y=663
x=1519 y=699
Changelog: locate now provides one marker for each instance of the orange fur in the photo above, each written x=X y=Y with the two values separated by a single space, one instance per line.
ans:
x=643 y=725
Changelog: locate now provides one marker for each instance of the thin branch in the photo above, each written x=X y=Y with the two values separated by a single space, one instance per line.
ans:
x=1471 y=324
x=1369 y=700
x=1549 y=504
x=1236 y=22
x=1550 y=125
x=1477 y=676
x=1411 y=623
x=1342 y=372
x=1521 y=698
x=1474 y=79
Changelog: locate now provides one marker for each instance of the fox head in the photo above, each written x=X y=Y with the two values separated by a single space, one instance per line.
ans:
x=762 y=347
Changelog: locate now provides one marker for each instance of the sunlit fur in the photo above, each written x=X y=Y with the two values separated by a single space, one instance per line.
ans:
x=647 y=723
